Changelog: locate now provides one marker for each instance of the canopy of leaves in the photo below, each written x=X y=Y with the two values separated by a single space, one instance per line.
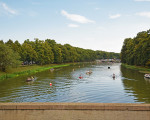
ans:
x=46 y=52
x=8 y=57
x=136 y=51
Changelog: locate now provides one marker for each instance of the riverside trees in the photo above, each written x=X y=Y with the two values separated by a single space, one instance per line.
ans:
x=136 y=51
x=46 y=52
x=8 y=57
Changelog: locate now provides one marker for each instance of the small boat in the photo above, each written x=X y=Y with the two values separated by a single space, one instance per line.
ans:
x=52 y=69
x=30 y=79
x=89 y=72
x=81 y=77
x=147 y=75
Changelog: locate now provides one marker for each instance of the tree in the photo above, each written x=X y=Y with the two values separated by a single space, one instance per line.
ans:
x=8 y=57
x=28 y=53
x=44 y=52
x=136 y=51
x=9 y=43
x=17 y=47
x=1 y=41
x=71 y=53
x=56 y=48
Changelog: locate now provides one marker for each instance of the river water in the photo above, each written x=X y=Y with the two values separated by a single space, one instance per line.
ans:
x=129 y=86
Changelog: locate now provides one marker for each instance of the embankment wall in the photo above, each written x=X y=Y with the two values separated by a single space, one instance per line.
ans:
x=74 y=111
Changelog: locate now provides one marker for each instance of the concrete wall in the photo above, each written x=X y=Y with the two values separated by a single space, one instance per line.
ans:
x=74 y=111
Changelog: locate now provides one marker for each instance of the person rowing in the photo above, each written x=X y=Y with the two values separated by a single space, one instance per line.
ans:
x=30 y=78
x=89 y=72
x=113 y=76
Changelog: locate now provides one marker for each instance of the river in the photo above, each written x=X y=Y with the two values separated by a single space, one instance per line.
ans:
x=129 y=86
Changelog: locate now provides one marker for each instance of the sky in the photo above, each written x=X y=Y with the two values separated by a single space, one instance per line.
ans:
x=89 y=24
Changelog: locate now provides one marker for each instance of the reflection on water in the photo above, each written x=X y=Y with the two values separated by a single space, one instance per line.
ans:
x=136 y=85
x=98 y=87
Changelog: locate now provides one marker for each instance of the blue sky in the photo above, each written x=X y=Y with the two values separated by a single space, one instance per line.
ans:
x=90 y=24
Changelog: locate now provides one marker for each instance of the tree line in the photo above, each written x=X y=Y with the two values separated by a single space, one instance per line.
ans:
x=46 y=52
x=136 y=51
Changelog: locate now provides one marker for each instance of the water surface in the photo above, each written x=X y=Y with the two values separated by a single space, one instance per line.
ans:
x=129 y=86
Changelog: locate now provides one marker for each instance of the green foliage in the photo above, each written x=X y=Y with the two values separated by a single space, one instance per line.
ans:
x=136 y=51
x=148 y=63
x=46 y=52
x=56 y=50
x=107 y=55
x=31 y=71
x=28 y=53
x=1 y=42
x=8 y=57
x=138 y=68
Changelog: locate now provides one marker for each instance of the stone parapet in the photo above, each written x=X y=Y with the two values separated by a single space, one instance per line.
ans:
x=75 y=106
x=74 y=111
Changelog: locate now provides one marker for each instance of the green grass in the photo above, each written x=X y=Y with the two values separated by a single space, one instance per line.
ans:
x=27 y=70
x=138 y=68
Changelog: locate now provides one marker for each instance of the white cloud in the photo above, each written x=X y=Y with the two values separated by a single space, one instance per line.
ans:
x=144 y=14
x=76 y=18
x=142 y=0
x=114 y=16
x=73 y=25
x=7 y=9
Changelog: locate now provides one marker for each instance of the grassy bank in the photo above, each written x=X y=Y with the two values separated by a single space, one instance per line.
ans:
x=27 y=70
x=138 y=68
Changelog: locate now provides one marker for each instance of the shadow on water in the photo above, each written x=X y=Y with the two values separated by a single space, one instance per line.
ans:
x=135 y=84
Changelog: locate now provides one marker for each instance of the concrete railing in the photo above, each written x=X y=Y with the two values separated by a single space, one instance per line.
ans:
x=74 y=111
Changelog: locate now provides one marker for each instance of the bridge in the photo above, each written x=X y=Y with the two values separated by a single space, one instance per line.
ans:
x=74 y=111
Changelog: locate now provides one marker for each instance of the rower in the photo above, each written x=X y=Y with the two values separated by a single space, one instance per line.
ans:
x=113 y=76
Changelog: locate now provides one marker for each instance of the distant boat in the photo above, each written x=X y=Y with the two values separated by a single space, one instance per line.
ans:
x=89 y=72
x=147 y=75
x=52 y=69
x=30 y=79
x=81 y=77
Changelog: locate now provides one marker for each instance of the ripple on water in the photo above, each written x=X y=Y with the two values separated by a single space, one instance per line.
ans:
x=99 y=87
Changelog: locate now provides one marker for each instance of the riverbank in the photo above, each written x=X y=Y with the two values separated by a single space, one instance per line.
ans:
x=27 y=70
x=138 y=68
